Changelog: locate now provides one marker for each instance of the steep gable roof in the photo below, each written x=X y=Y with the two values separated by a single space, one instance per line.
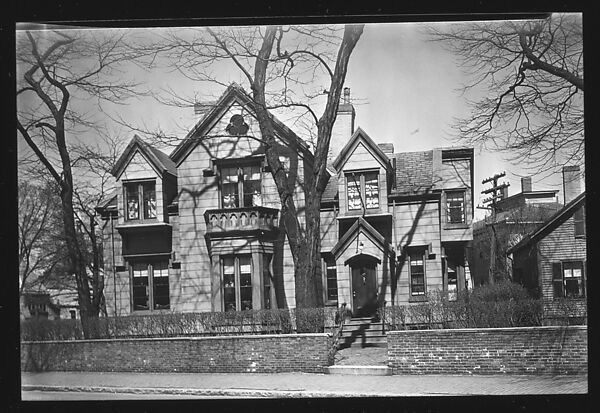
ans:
x=160 y=161
x=551 y=224
x=233 y=94
x=360 y=136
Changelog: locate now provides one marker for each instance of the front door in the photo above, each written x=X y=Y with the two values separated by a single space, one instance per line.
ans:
x=364 y=288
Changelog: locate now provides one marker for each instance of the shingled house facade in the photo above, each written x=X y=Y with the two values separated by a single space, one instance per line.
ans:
x=199 y=230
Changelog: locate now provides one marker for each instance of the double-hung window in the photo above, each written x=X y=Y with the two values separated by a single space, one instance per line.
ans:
x=237 y=282
x=455 y=207
x=568 y=279
x=417 y=272
x=150 y=285
x=363 y=190
x=331 y=287
x=241 y=186
x=140 y=200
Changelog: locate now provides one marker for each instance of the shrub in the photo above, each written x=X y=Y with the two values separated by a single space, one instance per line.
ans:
x=277 y=321
x=498 y=305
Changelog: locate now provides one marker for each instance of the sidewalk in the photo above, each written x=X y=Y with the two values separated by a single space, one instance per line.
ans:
x=292 y=385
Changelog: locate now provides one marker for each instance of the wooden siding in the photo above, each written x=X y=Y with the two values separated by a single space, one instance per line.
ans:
x=198 y=194
x=425 y=215
x=140 y=169
x=329 y=230
x=361 y=159
x=120 y=293
x=344 y=276
x=559 y=245
x=456 y=174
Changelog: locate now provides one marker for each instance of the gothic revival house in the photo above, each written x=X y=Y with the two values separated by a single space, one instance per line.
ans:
x=199 y=230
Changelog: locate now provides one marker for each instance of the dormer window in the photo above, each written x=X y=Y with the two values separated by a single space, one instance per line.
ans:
x=140 y=202
x=363 y=188
x=241 y=186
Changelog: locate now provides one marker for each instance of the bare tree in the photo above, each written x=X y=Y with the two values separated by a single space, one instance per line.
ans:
x=528 y=80
x=58 y=72
x=38 y=231
x=282 y=67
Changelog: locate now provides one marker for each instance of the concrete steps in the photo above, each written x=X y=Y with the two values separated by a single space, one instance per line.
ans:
x=364 y=332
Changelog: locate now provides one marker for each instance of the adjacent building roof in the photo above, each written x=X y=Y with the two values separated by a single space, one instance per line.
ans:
x=160 y=161
x=550 y=225
x=414 y=172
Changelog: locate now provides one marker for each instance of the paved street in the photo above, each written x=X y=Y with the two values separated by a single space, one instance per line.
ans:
x=293 y=385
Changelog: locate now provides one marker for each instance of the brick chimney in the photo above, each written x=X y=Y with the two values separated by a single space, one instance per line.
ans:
x=571 y=184
x=526 y=184
x=343 y=128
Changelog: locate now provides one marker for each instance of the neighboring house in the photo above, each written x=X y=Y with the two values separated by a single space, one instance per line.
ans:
x=200 y=230
x=516 y=216
x=49 y=304
x=551 y=261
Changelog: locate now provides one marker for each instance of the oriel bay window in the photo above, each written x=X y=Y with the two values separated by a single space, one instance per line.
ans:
x=241 y=186
x=150 y=285
x=237 y=282
x=568 y=279
x=363 y=188
x=140 y=200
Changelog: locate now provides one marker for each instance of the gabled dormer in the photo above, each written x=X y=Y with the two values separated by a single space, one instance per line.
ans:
x=363 y=172
x=147 y=182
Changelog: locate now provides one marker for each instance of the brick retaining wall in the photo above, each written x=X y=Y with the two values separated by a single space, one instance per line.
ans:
x=239 y=354
x=523 y=350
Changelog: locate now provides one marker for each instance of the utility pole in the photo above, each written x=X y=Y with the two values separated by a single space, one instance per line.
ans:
x=495 y=194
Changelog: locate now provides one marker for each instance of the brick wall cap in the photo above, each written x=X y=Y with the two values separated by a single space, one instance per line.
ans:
x=484 y=330
x=232 y=337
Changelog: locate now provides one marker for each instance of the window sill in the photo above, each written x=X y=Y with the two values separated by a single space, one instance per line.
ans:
x=150 y=312
x=417 y=299
x=457 y=226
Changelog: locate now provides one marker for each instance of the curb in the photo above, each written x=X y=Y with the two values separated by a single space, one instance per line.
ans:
x=244 y=393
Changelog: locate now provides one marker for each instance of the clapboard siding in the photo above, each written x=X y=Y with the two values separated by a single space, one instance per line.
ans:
x=559 y=245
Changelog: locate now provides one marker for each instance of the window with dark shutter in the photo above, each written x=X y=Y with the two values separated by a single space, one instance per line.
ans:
x=579 y=221
x=557 y=280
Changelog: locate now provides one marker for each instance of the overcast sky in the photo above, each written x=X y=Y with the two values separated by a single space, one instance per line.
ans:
x=405 y=90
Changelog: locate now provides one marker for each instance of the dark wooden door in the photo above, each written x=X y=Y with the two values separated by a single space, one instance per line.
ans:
x=364 y=286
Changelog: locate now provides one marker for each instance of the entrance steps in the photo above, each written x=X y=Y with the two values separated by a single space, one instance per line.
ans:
x=362 y=332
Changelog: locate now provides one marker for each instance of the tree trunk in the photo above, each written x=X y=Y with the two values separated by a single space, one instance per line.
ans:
x=77 y=262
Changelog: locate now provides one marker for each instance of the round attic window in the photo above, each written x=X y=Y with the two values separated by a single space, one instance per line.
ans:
x=237 y=126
